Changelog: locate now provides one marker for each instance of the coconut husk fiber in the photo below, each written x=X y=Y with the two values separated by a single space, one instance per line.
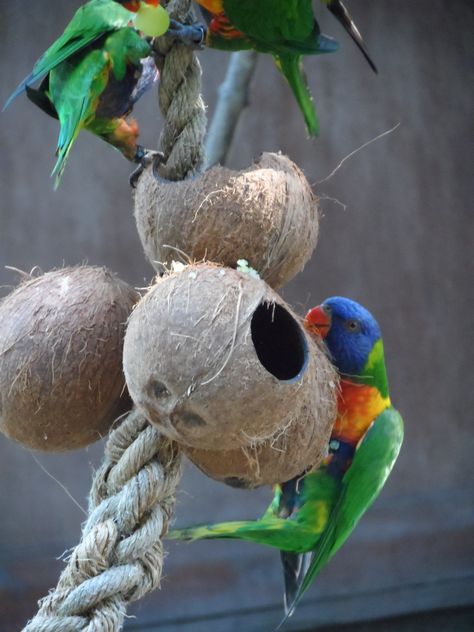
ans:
x=217 y=360
x=61 y=339
x=266 y=214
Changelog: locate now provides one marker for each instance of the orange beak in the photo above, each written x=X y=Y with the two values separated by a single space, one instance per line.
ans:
x=318 y=321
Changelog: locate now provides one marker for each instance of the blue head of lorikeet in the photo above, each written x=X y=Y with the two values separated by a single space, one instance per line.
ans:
x=349 y=331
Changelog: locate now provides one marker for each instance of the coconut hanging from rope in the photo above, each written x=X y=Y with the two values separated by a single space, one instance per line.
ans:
x=266 y=214
x=218 y=361
x=61 y=338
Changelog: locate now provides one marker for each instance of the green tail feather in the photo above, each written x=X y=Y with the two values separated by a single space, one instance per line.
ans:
x=251 y=531
x=70 y=129
x=291 y=68
x=285 y=535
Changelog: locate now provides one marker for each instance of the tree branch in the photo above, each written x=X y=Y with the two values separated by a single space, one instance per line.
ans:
x=233 y=97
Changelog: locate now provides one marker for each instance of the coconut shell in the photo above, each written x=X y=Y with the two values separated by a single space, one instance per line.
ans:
x=61 y=339
x=217 y=360
x=266 y=214
x=297 y=448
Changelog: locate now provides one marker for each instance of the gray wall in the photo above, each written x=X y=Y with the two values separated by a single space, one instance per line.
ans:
x=396 y=235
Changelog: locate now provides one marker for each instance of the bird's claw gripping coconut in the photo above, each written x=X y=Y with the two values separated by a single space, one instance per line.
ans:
x=144 y=158
x=190 y=35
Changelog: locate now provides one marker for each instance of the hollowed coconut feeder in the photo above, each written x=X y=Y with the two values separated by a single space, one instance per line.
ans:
x=220 y=363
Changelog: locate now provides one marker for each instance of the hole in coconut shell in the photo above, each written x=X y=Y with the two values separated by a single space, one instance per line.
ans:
x=279 y=341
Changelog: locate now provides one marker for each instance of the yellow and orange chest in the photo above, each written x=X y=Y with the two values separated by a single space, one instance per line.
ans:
x=358 y=405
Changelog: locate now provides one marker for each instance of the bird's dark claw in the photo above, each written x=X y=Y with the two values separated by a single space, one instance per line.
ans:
x=192 y=35
x=145 y=158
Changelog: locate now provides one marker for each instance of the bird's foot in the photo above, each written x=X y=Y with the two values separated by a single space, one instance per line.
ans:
x=145 y=158
x=192 y=35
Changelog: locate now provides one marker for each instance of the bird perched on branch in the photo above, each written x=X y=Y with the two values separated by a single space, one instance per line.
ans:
x=286 y=29
x=94 y=73
x=311 y=516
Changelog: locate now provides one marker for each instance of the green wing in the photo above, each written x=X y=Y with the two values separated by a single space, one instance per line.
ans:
x=286 y=535
x=373 y=462
x=74 y=91
x=272 y=21
x=298 y=533
x=75 y=87
x=280 y=27
x=90 y=22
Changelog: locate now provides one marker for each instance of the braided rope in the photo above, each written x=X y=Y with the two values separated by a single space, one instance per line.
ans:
x=120 y=556
x=180 y=101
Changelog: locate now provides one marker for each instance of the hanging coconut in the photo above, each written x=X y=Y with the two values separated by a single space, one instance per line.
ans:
x=61 y=339
x=266 y=214
x=218 y=361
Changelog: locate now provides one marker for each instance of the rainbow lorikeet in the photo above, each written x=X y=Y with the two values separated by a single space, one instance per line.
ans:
x=93 y=74
x=287 y=29
x=311 y=516
x=90 y=23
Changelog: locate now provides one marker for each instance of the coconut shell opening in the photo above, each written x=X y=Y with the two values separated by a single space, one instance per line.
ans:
x=279 y=341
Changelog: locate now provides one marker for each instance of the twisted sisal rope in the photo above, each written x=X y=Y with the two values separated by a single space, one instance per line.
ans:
x=179 y=96
x=120 y=556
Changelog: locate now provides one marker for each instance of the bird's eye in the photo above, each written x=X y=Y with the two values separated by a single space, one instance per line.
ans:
x=352 y=325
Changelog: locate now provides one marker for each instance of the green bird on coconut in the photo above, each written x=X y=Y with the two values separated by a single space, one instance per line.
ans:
x=95 y=72
x=312 y=515
x=285 y=29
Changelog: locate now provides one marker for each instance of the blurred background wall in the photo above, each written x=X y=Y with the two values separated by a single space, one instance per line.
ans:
x=396 y=234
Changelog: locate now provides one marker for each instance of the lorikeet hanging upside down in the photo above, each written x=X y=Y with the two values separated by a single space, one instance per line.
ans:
x=91 y=22
x=287 y=29
x=96 y=71
x=311 y=516
x=97 y=91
